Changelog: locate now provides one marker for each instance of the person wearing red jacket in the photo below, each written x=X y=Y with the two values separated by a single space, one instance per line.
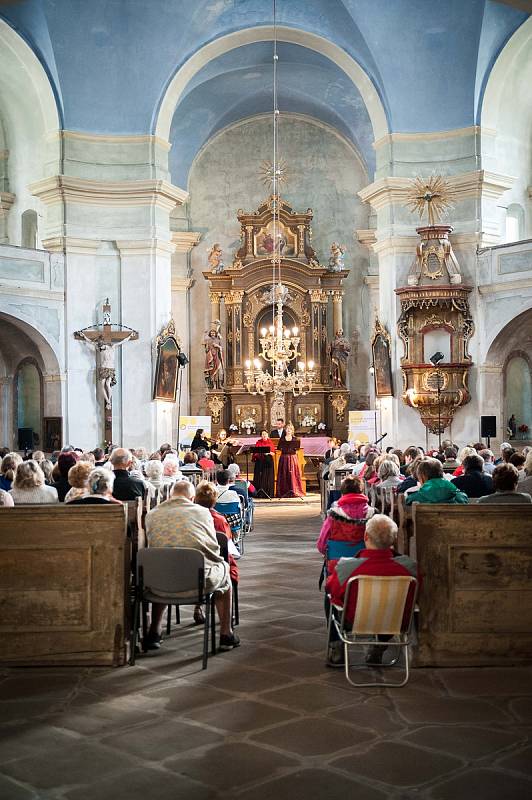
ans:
x=378 y=558
x=346 y=518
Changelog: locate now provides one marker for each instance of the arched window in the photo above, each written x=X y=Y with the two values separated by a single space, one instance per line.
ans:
x=515 y=223
x=29 y=229
x=519 y=390
x=28 y=398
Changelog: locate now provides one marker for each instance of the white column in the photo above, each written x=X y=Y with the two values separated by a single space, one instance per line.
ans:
x=146 y=303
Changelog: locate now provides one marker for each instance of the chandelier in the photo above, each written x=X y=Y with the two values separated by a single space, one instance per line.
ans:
x=279 y=345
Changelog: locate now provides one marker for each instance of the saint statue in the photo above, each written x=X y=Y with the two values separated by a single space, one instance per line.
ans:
x=215 y=259
x=339 y=351
x=214 y=356
x=336 y=260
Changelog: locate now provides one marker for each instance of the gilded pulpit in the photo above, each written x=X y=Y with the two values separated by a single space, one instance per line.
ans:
x=246 y=294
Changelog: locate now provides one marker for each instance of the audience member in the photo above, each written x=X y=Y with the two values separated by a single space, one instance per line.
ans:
x=488 y=458
x=154 y=473
x=190 y=463
x=450 y=462
x=38 y=456
x=99 y=457
x=346 y=519
x=411 y=481
x=410 y=454
x=525 y=485
x=474 y=482
x=181 y=523
x=339 y=462
x=8 y=469
x=518 y=460
x=66 y=460
x=505 y=483
x=204 y=459
x=434 y=488
x=78 y=478
x=100 y=484
x=126 y=487
x=171 y=471
x=5 y=499
x=29 y=486
x=88 y=458
x=376 y=559
x=389 y=475
x=225 y=494
x=464 y=452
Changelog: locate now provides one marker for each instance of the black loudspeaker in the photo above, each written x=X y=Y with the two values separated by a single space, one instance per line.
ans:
x=25 y=438
x=488 y=427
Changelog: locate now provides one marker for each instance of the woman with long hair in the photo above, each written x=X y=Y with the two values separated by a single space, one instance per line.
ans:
x=289 y=473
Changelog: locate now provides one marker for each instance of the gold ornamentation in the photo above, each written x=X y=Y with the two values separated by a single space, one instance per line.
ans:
x=339 y=403
x=267 y=176
x=432 y=195
x=169 y=330
x=215 y=404
x=433 y=262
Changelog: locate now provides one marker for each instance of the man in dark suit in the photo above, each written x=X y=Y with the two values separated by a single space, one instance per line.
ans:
x=125 y=486
x=474 y=482
x=278 y=431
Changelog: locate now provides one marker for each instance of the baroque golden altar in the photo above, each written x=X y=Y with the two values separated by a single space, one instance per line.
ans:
x=242 y=296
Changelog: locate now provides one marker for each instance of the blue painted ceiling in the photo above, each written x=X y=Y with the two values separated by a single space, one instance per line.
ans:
x=110 y=61
x=239 y=85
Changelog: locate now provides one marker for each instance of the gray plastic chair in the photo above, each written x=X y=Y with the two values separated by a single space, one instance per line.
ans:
x=174 y=576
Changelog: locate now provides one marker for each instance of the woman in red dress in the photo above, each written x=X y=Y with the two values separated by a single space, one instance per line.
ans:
x=263 y=474
x=289 y=474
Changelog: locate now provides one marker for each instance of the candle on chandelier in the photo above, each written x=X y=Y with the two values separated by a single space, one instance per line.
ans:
x=256 y=363
x=248 y=363
x=295 y=330
x=311 y=365
x=300 y=366
x=263 y=332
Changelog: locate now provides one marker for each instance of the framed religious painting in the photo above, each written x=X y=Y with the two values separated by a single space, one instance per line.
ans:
x=382 y=362
x=52 y=434
x=167 y=365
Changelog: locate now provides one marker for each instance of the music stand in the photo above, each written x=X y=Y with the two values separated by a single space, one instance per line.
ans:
x=261 y=451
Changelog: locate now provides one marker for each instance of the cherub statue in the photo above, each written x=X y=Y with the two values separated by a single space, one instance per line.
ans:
x=215 y=259
x=336 y=260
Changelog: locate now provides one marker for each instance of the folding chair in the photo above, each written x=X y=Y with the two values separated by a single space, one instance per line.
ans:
x=173 y=576
x=234 y=513
x=383 y=606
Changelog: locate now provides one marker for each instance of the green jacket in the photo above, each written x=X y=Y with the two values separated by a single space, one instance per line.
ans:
x=437 y=490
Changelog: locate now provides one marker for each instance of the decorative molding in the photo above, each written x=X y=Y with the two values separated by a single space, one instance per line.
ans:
x=71 y=244
x=145 y=247
x=472 y=130
x=366 y=236
x=180 y=284
x=387 y=191
x=508 y=286
x=372 y=281
x=6 y=201
x=65 y=188
x=396 y=244
x=105 y=138
x=185 y=240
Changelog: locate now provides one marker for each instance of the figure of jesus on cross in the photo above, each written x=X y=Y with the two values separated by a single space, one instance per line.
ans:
x=105 y=338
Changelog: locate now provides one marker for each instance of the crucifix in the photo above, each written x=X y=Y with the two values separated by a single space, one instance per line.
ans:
x=105 y=338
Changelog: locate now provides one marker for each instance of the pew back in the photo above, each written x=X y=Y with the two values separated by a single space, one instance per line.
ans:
x=63 y=576
x=476 y=599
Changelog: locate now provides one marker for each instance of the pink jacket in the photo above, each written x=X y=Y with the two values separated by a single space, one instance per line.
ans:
x=340 y=524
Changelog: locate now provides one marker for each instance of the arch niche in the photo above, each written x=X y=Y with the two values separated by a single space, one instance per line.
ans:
x=30 y=382
x=507 y=374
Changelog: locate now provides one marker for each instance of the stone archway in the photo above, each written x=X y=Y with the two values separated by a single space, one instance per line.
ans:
x=513 y=341
x=23 y=346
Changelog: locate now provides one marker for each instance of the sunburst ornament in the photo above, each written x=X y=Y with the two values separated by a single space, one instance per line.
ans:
x=267 y=176
x=433 y=195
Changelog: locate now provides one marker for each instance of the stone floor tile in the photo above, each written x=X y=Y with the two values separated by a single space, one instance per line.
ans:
x=398 y=764
x=522 y=708
x=487 y=681
x=309 y=666
x=312 y=784
x=250 y=680
x=463 y=741
x=487 y=784
x=231 y=765
x=67 y=764
x=185 y=696
x=98 y=717
x=20 y=740
x=10 y=790
x=162 y=739
x=143 y=784
x=313 y=736
x=304 y=642
x=240 y=715
x=378 y=719
x=518 y=762
x=310 y=697
x=40 y=686
x=447 y=709
x=304 y=622
x=20 y=710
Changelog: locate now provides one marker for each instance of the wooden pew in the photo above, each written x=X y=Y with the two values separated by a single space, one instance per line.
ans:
x=475 y=604
x=64 y=577
x=406 y=527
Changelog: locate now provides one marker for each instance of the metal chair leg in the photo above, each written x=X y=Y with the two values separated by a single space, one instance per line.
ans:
x=168 y=620
x=236 y=614
x=144 y=626
x=206 y=635
x=213 y=625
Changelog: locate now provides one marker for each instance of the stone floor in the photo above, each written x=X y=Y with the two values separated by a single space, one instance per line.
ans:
x=268 y=720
